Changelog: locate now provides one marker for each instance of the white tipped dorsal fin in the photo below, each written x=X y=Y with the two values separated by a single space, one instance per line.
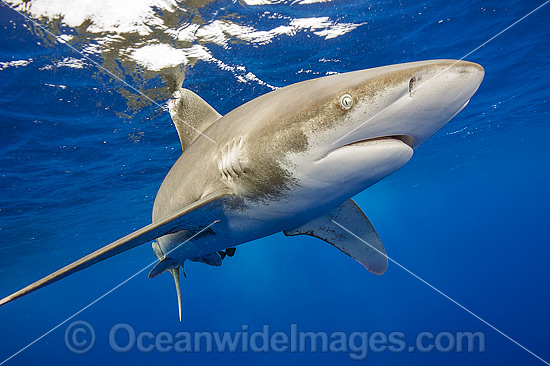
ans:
x=372 y=255
x=191 y=115
x=175 y=272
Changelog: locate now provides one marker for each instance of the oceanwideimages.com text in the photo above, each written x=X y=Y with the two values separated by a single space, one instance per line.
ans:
x=80 y=338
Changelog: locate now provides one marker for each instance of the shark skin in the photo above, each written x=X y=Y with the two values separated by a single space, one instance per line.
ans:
x=290 y=161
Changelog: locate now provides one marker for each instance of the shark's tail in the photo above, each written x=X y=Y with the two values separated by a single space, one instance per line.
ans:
x=175 y=272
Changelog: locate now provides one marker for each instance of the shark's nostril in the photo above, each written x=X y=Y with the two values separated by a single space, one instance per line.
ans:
x=413 y=83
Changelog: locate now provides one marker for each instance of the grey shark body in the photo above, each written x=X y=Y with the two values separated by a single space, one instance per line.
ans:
x=290 y=161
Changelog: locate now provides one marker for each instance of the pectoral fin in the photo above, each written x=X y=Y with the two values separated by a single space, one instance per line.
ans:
x=372 y=255
x=193 y=217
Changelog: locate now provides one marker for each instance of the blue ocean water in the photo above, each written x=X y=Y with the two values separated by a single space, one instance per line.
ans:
x=82 y=156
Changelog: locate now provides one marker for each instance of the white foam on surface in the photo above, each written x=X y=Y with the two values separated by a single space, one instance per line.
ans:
x=120 y=16
x=16 y=63
x=159 y=56
x=108 y=24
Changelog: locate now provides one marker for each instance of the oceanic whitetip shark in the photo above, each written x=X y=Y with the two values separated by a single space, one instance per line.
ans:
x=290 y=161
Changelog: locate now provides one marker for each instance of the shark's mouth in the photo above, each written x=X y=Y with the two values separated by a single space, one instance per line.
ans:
x=408 y=140
x=419 y=135
x=377 y=142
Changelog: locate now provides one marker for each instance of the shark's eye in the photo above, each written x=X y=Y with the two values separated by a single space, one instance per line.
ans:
x=346 y=101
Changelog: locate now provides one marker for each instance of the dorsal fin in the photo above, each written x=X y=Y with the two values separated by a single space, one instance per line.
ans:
x=191 y=115
x=372 y=255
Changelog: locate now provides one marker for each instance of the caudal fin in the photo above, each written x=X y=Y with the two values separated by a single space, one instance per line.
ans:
x=175 y=272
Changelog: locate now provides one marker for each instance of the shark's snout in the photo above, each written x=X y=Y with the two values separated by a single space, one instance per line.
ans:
x=434 y=93
x=438 y=94
x=447 y=78
x=410 y=101
x=473 y=68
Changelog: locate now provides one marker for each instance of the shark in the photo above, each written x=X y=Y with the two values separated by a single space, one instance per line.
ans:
x=290 y=161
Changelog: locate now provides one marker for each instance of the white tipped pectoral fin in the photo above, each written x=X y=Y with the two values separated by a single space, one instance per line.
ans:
x=348 y=229
x=196 y=216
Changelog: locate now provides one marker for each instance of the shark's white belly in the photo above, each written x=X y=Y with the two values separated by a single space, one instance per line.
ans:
x=321 y=186
x=318 y=188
